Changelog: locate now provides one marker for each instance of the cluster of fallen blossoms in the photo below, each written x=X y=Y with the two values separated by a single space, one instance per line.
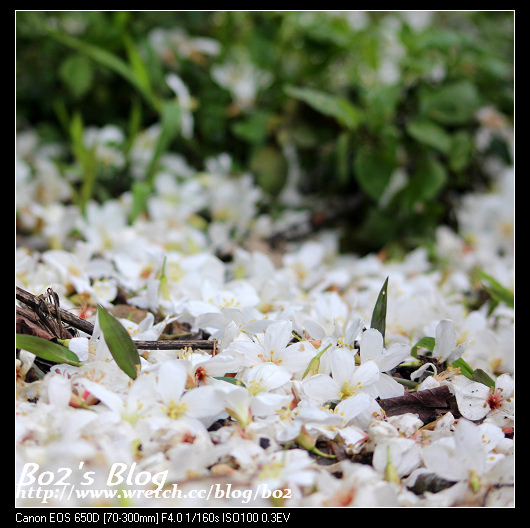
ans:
x=290 y=399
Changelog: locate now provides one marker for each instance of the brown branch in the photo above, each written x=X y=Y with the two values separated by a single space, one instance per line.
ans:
x=175 y=344
x=33 y=302
x=76 y=322
x=28 y=323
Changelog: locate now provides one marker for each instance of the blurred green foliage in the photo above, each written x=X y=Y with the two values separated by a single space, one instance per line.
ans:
x=361 y=96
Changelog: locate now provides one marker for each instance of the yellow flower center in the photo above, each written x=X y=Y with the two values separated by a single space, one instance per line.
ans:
x=348 y=390
x=255 y=387
x=176 y=409
x=270 y=471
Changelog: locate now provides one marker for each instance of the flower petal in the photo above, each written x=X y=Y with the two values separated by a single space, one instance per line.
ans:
x=172 y=380
x=371 y=344
x=267 y=403
x=343 y=365
x=321 y=388
x=445 y=339
x=202 y=402
x=393 y=356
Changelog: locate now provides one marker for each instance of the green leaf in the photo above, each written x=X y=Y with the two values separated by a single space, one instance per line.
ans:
x=481 y=376
x=109 y=60
x=425 y=182
x=270 y=167
x=137 y=64
x=134 y=124
x=465 y=369
x=47 y=350
x=478 y=375
x=497 y=291
x=170 y=125
x=346 y=113
x=229 y=379
x=76 y=130
x=379 y=314
x=77 y=74
x=140 y=193
x=461 y=150
x=87 y=159
x=120 y=344
x=452 y=104
x=253 y=129
x=429 y=133
x=380 y=104
x=374 y=168
x=425 y=342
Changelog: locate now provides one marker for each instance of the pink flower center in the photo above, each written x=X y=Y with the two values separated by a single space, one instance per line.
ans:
x=495 y=400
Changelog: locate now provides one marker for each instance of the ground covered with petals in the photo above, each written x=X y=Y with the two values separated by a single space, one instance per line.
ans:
x=305 y=395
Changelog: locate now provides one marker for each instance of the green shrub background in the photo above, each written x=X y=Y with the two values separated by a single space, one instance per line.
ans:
x=359 y=96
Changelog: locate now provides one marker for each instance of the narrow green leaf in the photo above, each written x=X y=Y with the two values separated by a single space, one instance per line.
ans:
x=170 y=121
x=76 y=130
x=482 y=377
x=140 y=194
x=120 y=344
x=87 y=159
x=228 y=379
x=497 y=291
x=135 y=123
x=425 y=342
x=465 y=369
x=47 y=350
x=379 y=314
x=137 y=64
x=478 y=375
x=109 y=60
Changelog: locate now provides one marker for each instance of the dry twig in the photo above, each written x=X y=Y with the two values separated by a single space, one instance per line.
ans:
x=39 y=306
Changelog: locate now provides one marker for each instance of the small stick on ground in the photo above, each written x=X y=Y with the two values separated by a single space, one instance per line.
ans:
x=33 y=302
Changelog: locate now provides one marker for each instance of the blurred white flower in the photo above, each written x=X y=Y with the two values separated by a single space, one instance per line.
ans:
x=185 y=103
x=170 y=42
x=242 y=79
x=107 y=143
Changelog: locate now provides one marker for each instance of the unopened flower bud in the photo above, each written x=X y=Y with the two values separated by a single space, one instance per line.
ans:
x=305 y=441
x=391 y=474
x=314 y=364
x=163 y=285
